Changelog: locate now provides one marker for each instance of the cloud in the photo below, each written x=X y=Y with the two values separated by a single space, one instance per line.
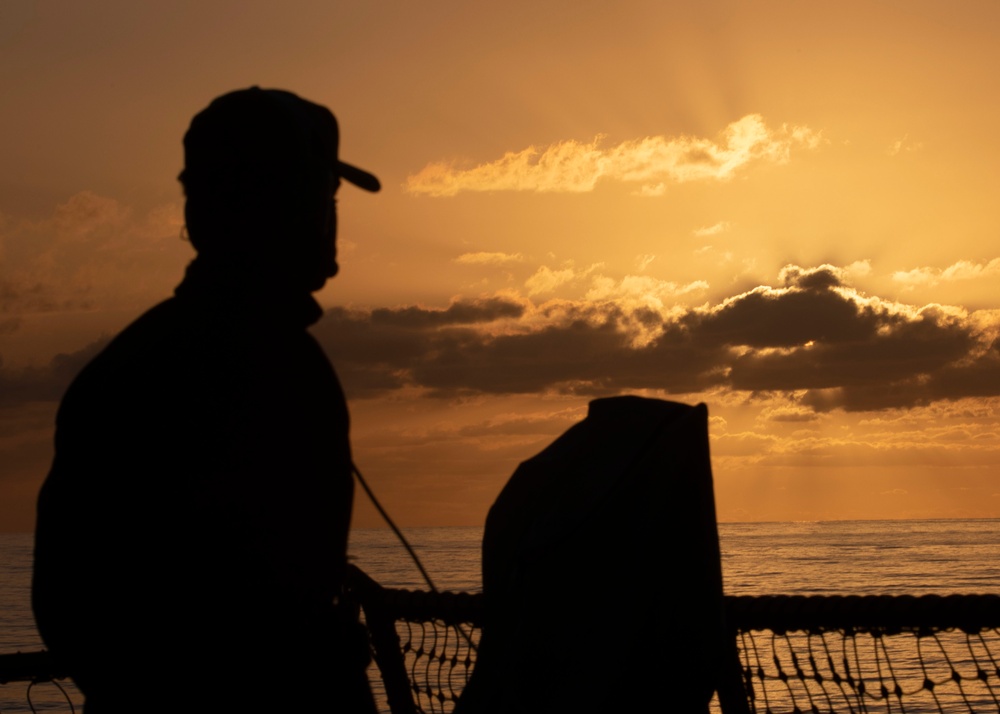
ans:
x=713 y=230
x=962 y=270
x=643 y=261
x=651 y=190
x=460 y=312
x=489 y=258
x=545 y=280
x=793 y=415
x=45 y=383
x=812 y=337
x=635 y=291
x=819 y=278
x=654 y=162
x=904 y=145
x=92 y=252
x=9 y=325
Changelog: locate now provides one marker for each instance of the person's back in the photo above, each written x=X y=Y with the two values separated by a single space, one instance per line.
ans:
x=602 y=581
x=192 y=532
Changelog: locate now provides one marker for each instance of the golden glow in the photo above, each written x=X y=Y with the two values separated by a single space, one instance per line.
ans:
x=787 y=210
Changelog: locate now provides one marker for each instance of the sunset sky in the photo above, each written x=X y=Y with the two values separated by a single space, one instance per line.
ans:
x=788 y=210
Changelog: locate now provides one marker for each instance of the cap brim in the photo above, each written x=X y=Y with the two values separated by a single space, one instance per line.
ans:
x=360 y=178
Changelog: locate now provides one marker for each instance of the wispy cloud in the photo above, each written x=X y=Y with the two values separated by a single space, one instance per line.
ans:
x=713 y=230
x=962 y=270
x=788 y=414
x=643 y=261
x=642 y=290
x=904 y=145
x=93 y=252
x=545 y=280
x=654 y=162
x=484 y=258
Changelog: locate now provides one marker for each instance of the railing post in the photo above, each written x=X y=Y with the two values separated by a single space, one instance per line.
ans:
x=386 y=646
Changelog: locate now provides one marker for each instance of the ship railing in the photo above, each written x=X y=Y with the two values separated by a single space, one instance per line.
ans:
x=817 y=653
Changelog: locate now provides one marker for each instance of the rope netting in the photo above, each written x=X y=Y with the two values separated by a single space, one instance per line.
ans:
x=864 y=654
x=866 y=671
x=439 y=662
x=797 y=654
x=424 y=644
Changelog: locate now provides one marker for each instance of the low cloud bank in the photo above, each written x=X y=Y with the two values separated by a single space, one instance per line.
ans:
x=45 y=383
x=811 y=337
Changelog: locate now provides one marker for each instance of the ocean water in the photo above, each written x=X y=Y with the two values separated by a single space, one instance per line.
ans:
x=861 y=557
x=803 y=558
x=836 y=557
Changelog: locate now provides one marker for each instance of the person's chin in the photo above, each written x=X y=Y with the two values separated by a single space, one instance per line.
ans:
x=318 y=283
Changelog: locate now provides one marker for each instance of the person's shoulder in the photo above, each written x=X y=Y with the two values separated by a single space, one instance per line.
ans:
x=146 y=334
x=134 y=351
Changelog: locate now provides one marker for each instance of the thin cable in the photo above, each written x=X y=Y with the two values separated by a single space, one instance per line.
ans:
x=399 y=533
x=409 y=548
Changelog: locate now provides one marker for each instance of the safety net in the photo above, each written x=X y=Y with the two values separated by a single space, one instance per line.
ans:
x=897 y=653
x=869 y=653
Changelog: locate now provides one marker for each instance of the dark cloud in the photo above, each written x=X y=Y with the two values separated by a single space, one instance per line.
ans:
x=588 y=352
x=975 y=376
x=815 y=338
x=821 y=278
x=765 y=317
x=461 y=312
x=40 y=297
x=553 y=357
x=371 y=358
x=47 y=383
x=897 y=351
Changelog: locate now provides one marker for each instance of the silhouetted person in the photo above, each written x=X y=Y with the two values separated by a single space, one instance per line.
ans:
x=191 y=534
x=602 y=580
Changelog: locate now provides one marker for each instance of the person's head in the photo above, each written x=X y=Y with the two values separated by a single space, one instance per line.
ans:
x=260 y=173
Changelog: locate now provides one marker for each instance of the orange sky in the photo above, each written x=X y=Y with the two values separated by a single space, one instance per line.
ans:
x=787 y=210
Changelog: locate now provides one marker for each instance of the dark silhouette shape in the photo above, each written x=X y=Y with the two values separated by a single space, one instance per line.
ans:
x=191 y=536
x=602 y=581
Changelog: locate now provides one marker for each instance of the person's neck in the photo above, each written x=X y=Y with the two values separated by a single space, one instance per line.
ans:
x=246 y=288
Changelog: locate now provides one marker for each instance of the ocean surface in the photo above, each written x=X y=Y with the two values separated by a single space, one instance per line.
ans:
x=831 y=557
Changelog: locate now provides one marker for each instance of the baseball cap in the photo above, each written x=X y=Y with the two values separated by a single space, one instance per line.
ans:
x=262 y=130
